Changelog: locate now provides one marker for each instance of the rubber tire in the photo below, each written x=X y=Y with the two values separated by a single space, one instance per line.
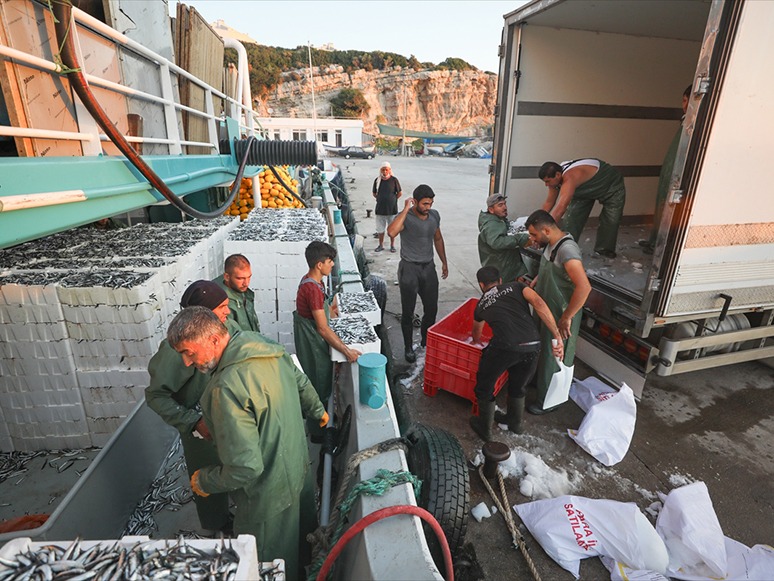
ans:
x=436 y=457
x=369 y=157
x=346 y=156
x=378 y=286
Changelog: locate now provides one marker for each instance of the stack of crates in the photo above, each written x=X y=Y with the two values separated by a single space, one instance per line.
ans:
x=81 y=314
x=451 y=359
x=274 y=241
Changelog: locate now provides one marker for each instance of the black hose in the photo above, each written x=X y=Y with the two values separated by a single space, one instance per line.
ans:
x=291 y=192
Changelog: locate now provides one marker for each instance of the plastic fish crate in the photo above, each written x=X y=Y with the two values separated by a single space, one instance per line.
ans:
x=451 y=362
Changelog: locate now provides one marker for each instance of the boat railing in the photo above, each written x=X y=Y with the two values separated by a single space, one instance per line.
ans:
x=89 y=134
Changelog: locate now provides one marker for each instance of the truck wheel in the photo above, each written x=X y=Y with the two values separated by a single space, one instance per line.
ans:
x=435 y=456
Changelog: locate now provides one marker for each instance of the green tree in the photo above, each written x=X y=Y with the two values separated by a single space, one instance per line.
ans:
x=455 y=64
x=414 y=63
x=349 y=103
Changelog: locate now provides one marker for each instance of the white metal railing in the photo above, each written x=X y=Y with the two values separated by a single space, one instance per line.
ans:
x=88 y=132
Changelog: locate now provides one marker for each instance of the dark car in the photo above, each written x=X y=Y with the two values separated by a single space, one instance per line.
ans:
x=354 y=151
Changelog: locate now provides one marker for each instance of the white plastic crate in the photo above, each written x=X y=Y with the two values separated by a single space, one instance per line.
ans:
x=374 y=315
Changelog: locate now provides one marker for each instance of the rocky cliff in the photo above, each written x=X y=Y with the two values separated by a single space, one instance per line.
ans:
x=442 y=101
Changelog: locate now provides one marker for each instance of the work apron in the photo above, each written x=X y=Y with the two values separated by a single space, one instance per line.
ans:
x=607 y=188
x=556 y=291
x=312 y=350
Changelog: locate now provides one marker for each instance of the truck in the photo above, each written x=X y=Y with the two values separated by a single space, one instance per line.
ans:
x=584 y=78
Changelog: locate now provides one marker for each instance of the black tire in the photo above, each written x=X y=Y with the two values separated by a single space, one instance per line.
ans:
x=369 y=157
x=378 y=286
x=436 y=457
x=346 y=156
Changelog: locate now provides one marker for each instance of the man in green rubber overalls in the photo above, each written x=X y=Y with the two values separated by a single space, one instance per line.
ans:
x=311 y=332
x=253 y=408
x=561 y=282
x=174 y=393
x=495 y=247
x=235 y=280
x=664 y=179
x=574 y=186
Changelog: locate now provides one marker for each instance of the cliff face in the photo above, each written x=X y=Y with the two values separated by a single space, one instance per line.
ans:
x=454 y=102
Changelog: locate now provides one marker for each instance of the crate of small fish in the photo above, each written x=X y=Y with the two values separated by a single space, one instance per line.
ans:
x=363 y=304
x=356 y=332
x=137 y=558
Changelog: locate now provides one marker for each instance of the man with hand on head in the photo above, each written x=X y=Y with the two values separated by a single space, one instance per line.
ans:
x=235 y=280
x=514 y=347
x=253 y=407
x=495 y=247
x=386 y=190
x=419 y=227
x=561 y=282
x=174 y=393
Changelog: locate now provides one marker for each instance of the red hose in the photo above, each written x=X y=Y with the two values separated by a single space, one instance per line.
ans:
x=379 y=515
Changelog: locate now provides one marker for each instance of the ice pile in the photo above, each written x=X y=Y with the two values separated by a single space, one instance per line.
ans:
x=81 y=314
x=274 y=242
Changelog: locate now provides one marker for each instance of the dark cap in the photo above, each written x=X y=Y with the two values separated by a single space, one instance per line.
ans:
x=493 y=199
x=203 y=293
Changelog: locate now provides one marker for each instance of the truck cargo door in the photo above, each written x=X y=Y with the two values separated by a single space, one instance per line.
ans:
x=723 y=224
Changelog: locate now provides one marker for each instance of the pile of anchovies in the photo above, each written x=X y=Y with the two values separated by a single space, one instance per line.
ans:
x=102 y=562
x=164 y=492
x=515 y=228
x=353 y=330
x=291 y=225
x=350 y=303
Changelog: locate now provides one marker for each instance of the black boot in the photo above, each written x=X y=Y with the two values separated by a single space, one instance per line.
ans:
x=408 y=342
x=513 y=416
x=482 y=423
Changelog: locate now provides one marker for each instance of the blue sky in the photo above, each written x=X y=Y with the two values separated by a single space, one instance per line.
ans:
x=430 y=30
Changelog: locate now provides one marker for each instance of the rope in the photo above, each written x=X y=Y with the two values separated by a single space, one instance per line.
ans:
x=518 y=539
x=321 y=538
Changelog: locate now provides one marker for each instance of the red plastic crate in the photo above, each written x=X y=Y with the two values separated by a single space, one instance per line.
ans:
x=451 y=362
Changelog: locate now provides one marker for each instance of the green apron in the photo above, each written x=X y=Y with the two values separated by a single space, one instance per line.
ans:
x=606 y=187
x=554 y=288
x=663 y=184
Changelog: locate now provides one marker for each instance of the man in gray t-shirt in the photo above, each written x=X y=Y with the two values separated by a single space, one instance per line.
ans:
x=419 y=227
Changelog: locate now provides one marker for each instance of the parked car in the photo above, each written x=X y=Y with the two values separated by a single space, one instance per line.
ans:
x=355 y=151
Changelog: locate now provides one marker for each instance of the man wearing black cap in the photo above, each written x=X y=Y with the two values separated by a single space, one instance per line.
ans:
x=495 y=247
x=174 y=393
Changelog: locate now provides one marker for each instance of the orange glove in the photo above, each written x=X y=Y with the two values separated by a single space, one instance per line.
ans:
x=324 y=420
x=195 y=485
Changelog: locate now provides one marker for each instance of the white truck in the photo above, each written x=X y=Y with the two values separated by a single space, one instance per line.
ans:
x=584 y=78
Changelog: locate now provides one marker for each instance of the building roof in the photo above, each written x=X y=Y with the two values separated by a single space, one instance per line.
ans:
x=430 y=137
x=225 y=31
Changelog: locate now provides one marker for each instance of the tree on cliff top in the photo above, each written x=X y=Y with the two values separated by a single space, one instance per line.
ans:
x=455 y=64
x=349 y=103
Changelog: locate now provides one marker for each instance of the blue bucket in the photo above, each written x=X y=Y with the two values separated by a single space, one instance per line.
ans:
x=337 y=216
x=371 y=373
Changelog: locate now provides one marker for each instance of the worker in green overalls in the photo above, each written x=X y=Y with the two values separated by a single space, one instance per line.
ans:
x=561 y=282
x=253 y=407
x=311 y=332
x=174 y=393
x=574 y=186
x=665 y=178
x=495 y=247
x=235 y=280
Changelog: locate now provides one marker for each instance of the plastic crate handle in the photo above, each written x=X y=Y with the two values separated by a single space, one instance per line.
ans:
x=455 y=371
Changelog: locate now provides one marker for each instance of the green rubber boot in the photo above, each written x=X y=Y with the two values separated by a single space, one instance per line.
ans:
x=513 y=417
x=482 y=423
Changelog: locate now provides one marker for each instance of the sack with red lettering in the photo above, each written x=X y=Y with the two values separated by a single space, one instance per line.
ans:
x=590 y=391
x=571 y=528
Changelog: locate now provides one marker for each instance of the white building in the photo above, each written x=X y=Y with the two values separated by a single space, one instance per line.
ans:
x=330 y=132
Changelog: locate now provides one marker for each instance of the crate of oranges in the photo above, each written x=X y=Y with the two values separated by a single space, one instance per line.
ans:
x=273 y=193
x=243 y=203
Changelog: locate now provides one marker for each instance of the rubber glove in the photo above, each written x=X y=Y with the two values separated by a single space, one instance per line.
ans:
x=195 y=485
x=324 y=420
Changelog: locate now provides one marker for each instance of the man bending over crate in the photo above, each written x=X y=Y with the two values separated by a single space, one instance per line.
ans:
x=514 y=347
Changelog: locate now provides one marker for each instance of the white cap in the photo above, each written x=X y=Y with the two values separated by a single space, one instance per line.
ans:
x=385 y=164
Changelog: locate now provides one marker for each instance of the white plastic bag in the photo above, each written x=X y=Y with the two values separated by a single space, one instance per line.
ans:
x=691 y=531
x=744 y=563
x=620 y=572
x=559 y=388
x=606 y=431
x=590 y=391
x=571 y=528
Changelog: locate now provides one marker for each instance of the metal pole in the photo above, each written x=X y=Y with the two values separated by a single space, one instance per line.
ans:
x=405 y=98
x=311 y=81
